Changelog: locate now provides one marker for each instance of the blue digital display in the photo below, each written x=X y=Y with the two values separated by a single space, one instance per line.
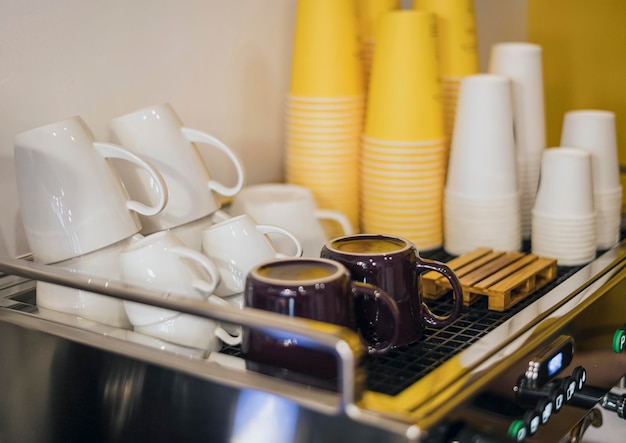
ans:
x=555 y=364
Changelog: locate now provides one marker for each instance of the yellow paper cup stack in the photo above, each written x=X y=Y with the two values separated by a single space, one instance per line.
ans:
x=325 y=106
x=368 y=13
x=403 y=148
x=457 y=48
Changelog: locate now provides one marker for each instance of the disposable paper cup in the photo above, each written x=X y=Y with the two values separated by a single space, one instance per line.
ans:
x=403 y=99
x=595 y=132
x=566 y=187
x=482 y=158
x=325 y=51
x=456 y=35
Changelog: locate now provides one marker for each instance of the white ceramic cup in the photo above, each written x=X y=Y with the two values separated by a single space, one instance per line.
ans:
x=162 y=262
x=238 y=244
x=103 y=263
x=291 y=207
x=158 y=134
x=72 y=202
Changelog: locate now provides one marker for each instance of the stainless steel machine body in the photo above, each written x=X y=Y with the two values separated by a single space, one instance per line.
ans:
x=67 y=380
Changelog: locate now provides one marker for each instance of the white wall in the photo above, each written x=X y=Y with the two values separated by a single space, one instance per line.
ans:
x=223 y=64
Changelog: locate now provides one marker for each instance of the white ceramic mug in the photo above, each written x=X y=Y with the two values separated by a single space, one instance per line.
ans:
x=72 y=202
x=158 y=134
x=162 y=262
x=103 y=263
x=291 y=207
x=238 y=244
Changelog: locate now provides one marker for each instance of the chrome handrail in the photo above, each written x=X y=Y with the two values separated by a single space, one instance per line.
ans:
x=343 y=343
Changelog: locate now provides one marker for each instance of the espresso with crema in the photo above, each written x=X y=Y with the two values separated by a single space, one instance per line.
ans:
x=367 y=245
x=297 y=271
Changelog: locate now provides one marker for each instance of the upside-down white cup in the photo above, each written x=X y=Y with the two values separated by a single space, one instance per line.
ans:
x=238 y=244
x=158 y=134
x=594 y=131
x=522 y=63
x=163 y=263
x=291 y=207
x=72 y=201
x=566 y=186
x=103 y=263
x=482 y=155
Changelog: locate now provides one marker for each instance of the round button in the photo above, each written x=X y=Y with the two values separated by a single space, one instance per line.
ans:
x=517 y=430
x=545 y=407
x=532 y=419
x=569 y=386
x=557 y=395
x=619 y=340
x=580 y=375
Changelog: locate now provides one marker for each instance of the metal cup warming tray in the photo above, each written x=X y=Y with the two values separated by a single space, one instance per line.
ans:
x=414 y=393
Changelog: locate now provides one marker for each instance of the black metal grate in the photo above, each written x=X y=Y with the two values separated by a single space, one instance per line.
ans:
x=393 y=372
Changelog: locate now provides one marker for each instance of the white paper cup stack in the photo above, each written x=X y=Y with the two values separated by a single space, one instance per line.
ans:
x=522 y=63
x=481 y=198
x=595 y=132
x=563 y=218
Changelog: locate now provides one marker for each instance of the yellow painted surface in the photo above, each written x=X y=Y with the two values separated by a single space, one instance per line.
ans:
x=584 y=56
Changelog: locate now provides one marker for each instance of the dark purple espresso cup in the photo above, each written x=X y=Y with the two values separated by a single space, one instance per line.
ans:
x=316 y=289
x=393 y=264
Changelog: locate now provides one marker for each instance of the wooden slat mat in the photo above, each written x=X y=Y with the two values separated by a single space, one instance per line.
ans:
x=504 y=277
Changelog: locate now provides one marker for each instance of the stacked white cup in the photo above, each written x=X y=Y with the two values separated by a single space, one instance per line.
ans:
x=595 y=132
x=291 y=207
x=563 y=218
x=522 y=63
x=157 y=133
x=481 y=198
x=162 y=261
x=76 y=212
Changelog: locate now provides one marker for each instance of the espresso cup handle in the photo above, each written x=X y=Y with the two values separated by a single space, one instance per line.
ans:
x=336 y=216
x=109 y=150
x=270 y=229
x=365 y=290
x=430 y=319
x=220 y=332
x=205 y=263
x=193 y=135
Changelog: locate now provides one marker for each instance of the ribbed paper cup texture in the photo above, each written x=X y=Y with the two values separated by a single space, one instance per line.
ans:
x=404 y=92
x=595 y=131
x=566 y=186
x=368 y=13
x=522 y=63
x=325 y=59
x=456 y=35
x=482 y=159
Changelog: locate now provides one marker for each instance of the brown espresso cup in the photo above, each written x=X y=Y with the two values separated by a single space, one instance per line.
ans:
x=393 y=264
x=316 y=289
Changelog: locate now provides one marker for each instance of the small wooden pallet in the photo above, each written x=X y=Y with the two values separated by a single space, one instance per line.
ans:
x=505 y=278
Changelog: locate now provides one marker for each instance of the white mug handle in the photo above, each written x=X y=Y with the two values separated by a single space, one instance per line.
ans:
x=220 y=332
x=109 y=150
x=270 y=229
x=328 y=214
x=205 y=262
x=193 y=135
